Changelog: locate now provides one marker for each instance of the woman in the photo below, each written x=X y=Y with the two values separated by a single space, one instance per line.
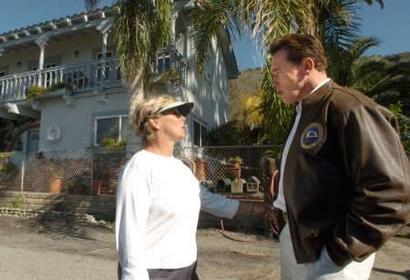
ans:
x=158 y=199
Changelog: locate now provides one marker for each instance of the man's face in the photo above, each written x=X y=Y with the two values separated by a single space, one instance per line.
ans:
x=288 y=79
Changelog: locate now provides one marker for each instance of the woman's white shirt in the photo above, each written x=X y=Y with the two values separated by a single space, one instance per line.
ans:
x=158 y=203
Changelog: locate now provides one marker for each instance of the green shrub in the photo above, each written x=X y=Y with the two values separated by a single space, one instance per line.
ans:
x=17 y=202
x=114 y=144
x=33 y=92
x=7 y=168
x=60 y=85
x=235 y=160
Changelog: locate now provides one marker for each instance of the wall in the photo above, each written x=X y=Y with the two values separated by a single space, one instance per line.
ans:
x=209 y=92
x=103 y=207
x=77 y=120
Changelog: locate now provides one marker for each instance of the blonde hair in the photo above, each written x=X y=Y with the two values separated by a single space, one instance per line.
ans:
x=142 y=109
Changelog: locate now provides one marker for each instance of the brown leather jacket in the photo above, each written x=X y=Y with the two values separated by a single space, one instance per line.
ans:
x=346 y=180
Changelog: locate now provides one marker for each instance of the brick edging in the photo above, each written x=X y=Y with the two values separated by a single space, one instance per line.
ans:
x=50 y=215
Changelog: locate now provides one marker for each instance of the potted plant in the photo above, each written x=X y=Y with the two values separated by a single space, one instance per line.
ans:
x=99 y=176
x=236 y=161
x=60 y=85
x=200 y=169
x=114 y=144
x=7 y=170
x=34 y=92
x=97 y=185
x=57 y=181
x=233 y=168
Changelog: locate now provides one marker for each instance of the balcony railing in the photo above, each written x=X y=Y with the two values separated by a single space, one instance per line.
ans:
x=93 y=75
x=80 y=77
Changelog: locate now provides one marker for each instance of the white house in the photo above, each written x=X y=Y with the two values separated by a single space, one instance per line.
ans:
x=74 y=58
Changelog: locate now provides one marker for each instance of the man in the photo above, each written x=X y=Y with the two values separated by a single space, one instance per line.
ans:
x=344 y=184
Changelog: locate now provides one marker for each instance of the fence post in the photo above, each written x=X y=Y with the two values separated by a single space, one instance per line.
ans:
x=92 y=170
x=23 y=168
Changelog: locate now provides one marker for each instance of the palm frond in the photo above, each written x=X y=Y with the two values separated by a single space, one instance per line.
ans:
x=276 y=115
x=339 y=23
x=140 y=29
x=207 y=20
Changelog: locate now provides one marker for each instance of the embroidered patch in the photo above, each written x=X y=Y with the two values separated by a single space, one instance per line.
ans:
x=311 y=136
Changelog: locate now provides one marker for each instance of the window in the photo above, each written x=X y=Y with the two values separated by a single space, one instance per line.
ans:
x=163 y=62
x=3 y=71
x=108 y=54
x=199 y=134
x=114 y=127
x=106 y=70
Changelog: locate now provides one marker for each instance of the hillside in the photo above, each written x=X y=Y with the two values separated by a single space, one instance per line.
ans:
x=247 y=84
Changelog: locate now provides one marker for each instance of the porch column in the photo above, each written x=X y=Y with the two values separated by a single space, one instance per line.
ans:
x=104 y=27
x=41 y=58
x=173 y=33
x=41 y=42
x=105 y=71
x=1 y=52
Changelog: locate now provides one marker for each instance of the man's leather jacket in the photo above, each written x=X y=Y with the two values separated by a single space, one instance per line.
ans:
x=346 y=179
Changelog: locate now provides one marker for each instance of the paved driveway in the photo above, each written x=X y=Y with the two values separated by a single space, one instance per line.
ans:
x=30 y=250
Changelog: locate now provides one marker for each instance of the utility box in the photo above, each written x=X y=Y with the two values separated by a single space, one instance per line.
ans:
x=252 y=184
x=237 y=185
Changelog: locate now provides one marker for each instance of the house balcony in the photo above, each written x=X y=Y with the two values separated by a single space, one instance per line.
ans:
x=169 y=72
x=82 y=77
x=85 y=77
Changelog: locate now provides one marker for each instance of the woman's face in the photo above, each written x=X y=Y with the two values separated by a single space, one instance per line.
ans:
x=171 y=124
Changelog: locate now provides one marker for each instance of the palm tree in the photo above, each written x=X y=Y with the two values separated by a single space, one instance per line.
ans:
x=387 y=82
x=343 y=65
x=334 y=21
x=141 y=28
x=276 y=116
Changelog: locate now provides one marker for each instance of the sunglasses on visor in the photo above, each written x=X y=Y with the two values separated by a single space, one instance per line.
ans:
x=177 y=111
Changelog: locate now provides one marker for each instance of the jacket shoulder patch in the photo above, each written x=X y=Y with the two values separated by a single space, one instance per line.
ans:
x=311 y=135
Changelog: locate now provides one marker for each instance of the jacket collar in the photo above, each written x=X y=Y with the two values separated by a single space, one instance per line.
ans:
x=320 y=93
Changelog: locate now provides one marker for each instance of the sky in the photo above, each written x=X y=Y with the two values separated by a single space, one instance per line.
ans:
x=390 y=25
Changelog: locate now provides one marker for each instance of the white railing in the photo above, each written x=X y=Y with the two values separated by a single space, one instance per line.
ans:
x=79 y=77
x=93 y=75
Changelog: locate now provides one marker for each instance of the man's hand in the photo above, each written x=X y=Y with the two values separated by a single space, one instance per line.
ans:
x=275 y=219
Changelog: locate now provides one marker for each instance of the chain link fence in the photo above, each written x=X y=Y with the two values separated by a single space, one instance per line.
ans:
x=81 y=173
x=10 y=170
x=232 y=169
x=96 y=172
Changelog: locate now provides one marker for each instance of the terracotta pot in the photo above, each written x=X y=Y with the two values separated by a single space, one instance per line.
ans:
x=233 y=171
x=200 y=170
x=97 y=184
x=56 y=185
